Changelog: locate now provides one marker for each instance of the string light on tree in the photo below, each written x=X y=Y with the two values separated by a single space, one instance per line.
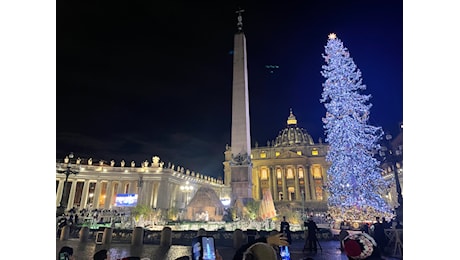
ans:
x=354 y=184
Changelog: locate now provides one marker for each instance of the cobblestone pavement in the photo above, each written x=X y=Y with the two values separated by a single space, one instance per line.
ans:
x=84 y=251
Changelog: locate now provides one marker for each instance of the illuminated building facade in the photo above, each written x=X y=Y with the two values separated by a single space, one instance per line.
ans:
x=291 y=166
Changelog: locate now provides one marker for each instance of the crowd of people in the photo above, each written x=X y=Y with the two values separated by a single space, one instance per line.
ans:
x=369 y=244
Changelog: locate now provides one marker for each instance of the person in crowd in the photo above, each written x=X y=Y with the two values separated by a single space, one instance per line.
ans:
x=361 y=246
x=66 y=253
x=365 y=228
x=398 y=224
x=285 y=229
x=386 y=224
x=261 y=248
x=379 y=234
x=311 y=238
x=100 y=255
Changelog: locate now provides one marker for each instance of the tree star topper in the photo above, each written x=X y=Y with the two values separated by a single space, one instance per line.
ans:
x=332 y=36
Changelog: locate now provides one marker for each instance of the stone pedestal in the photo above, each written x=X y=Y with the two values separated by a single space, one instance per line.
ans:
x=238 y=238
x=107 y=236
x=138 y=236
x=65 y=232
x=84 y=234
x=166 y=237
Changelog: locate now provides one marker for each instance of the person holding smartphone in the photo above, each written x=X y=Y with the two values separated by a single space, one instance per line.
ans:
x=261 y=246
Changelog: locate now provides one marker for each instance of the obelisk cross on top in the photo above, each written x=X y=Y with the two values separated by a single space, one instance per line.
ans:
x=240 y=20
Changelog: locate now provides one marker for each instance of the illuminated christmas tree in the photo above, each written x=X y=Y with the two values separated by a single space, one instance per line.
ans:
x=355 y=185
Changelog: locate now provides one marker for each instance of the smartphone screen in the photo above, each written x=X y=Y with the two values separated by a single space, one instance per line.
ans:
x=203 y=248
x=284 y=253
x=209 y=252
x=63 y=256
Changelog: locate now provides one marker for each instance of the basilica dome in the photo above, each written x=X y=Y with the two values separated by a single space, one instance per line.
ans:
x=293 y=134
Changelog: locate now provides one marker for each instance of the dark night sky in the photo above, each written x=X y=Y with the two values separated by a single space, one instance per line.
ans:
x=137 y=79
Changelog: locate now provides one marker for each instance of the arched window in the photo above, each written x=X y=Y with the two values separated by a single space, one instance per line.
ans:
x=278 y=174
x=300 y=173
x=264 y=174
x=290 y=174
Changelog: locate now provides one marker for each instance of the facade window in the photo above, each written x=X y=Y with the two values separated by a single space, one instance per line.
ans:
x=299 y=152
x=290 y=174
x=291 y=193
x=301 y=173
x=314 y=151
x=318 y=190
x=317 y=172
x=264 y=174
x=263 y=155
x=277 y=154
x=278 y=174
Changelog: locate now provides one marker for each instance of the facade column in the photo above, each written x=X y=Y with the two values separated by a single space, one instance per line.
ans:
x=258 y=190
x=120 y=188
x=270 y=180
x=306 y=182
x=132 y=187
x=155 y=194
x=296 y=184
x=59 y=192
x=275 y=184
x=108 y=195
x=312 y=183
x=72 y=194
x=283 y=182
x=97 y=194
x=84 y=195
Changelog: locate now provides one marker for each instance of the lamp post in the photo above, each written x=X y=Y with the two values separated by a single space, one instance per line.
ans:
x=67 y=171
x=392 y=156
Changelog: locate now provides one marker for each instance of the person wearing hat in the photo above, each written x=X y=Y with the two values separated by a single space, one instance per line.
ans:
x=360 y=246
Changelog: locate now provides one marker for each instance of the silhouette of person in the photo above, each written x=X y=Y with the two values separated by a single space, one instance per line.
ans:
x=312 y=240
x=379 y=234
x=285 y=229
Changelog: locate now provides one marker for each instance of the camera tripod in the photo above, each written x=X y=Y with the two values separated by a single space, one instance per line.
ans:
x=307 y=244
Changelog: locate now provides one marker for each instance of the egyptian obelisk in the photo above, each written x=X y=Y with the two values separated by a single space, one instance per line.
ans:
x=240 y=165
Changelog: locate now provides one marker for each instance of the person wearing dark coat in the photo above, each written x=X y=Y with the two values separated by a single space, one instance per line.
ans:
x=285 y=229
x=312 y=239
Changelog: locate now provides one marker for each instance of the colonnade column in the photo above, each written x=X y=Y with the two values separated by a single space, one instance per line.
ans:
x=97 y=194
x=72 y=194
x=108 y=195
x=59 y=192
x=84 y=194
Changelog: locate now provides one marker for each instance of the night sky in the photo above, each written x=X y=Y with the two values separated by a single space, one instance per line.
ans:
x=136 y=79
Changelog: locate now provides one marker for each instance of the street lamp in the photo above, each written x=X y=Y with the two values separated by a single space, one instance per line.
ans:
x=186 y=189
x=393 y=156
x=67 y=171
